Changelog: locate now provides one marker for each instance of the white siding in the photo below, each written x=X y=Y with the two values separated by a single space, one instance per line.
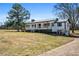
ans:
x=55 y=28
x=65 y=28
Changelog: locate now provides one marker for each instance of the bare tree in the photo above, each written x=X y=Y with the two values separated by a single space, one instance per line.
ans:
x=68 y=11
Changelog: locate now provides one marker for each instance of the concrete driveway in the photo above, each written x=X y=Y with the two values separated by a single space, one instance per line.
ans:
x=70 y=49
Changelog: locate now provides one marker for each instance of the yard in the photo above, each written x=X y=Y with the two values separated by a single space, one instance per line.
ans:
x=27 y=43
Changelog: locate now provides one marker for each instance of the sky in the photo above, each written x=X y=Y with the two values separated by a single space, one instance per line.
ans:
x=38 y=11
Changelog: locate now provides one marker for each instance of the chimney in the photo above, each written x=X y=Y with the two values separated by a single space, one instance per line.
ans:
x=32 y=20
x=56 y=19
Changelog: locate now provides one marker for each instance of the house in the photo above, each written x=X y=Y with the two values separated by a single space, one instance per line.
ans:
x=52 y=25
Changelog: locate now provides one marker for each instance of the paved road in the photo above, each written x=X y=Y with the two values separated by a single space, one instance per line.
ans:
x=70 y=49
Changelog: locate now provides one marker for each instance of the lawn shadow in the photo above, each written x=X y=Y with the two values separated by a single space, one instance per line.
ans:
x=12 y=31
x=75 y=35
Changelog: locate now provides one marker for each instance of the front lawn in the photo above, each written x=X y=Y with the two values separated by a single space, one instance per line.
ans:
x=27 y=43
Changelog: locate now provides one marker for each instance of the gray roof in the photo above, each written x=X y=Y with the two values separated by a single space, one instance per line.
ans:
x=44 y=20
x=62 y=20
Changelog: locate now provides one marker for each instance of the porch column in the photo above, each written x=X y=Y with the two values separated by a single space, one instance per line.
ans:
x=42 y=25
x=50 y=26
x=36 y=25
x=30 y=26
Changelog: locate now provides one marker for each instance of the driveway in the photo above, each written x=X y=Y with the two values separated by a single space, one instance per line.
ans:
x=70 y=49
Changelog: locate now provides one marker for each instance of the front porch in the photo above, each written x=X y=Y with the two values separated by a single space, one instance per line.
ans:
x=39 y=26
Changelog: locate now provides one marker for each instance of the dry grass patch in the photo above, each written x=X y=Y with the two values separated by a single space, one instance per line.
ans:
x=25 y=43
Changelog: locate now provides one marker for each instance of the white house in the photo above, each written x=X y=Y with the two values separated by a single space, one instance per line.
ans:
x=57 y=26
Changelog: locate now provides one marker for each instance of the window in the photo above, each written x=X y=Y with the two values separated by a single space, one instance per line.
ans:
x=39 y=25
x=46 y=25
x=52 y=24
x=59 y=24
x=27 y=25
x=34 y=26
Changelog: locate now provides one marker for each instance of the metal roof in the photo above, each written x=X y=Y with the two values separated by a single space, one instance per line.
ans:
x=62 y=20
x=47 y=20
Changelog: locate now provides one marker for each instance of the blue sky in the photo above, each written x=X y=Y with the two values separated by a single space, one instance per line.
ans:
x=37 y=10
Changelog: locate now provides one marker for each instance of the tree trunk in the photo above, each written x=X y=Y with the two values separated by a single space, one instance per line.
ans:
x=73 y=28
x=18 y=29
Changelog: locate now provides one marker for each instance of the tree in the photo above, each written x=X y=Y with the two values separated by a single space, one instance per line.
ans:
x=8 y=23
x=78 y=13
x=18 y=14
x=68 y=11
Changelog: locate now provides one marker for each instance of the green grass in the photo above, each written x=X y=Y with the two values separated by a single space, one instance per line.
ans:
x=26 y=43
